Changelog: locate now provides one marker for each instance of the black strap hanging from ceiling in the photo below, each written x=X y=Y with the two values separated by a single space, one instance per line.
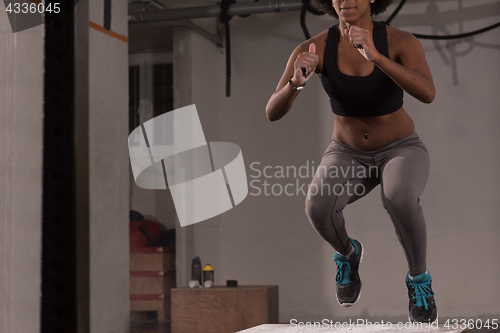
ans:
x=224 y=19
x=458 y=36
x=396 y=11
x=307 y=7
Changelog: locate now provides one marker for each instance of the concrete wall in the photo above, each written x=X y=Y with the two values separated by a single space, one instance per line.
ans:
x=109 y=174
x=268 y=239
x=21 y=118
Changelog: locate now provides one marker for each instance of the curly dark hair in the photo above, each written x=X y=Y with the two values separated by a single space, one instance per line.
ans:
x=379 y=6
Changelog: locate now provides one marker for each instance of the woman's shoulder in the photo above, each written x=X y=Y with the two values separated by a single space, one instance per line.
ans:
x=396 y=35
x=400 y=40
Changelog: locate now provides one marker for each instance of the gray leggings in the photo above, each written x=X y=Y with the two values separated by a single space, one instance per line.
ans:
x=347 y=174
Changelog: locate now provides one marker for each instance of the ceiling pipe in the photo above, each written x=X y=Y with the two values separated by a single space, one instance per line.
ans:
x=214 y=38
x=214 y=11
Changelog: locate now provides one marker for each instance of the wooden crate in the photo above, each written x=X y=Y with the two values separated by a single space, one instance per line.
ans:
x=152 y=276
x=386 y=328
x=152 y=259
x=223 y=309
x=151 y=282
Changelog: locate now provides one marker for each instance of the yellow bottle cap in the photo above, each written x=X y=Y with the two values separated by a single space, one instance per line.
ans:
x=208 y=268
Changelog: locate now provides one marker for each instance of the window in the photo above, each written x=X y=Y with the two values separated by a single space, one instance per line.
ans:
x=151 y=94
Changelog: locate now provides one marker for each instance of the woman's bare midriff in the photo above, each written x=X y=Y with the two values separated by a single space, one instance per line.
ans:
x=371 y=133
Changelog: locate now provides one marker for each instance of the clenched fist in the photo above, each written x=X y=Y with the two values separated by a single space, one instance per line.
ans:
x=305 y=65
x=362 y=40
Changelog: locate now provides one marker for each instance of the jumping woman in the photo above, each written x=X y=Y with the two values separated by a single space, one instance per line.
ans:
x=364 y=67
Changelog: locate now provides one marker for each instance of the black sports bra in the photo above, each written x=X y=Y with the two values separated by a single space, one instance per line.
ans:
x=358 y=96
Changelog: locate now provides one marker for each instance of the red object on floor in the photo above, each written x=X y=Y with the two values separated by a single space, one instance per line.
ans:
x=153 y=229
x=137 y=238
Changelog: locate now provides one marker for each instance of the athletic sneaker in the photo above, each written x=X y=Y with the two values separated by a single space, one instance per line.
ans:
x=347 y=279
x=422 y=307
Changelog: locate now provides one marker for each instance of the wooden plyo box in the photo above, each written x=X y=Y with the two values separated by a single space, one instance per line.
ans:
x=223 y=309
x=152 y=259
x=152 y=276
x=287 y=328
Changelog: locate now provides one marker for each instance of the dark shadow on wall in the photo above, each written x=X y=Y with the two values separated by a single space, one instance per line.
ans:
x=451 y=50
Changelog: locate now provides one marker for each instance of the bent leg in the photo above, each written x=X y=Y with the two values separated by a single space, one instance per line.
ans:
x=333 y=187
x=404 y=177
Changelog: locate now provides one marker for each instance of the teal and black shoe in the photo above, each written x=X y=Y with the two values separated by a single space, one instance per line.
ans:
x=348 y=283
x=422 y=307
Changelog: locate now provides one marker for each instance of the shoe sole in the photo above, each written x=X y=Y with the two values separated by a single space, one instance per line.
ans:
x=346 y=305
x=411 y=321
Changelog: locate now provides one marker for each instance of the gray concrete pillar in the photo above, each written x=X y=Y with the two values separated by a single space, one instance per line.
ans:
x=109 y=169
x=21 y=116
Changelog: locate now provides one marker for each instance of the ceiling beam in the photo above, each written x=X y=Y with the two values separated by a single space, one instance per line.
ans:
x=214 y=11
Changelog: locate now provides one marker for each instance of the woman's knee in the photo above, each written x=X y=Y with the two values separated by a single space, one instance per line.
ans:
x=401 y=202
x=316 y=207
x=321 y=210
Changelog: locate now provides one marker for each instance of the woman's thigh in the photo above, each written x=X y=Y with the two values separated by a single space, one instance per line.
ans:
x=339 y=180
x=404 y=175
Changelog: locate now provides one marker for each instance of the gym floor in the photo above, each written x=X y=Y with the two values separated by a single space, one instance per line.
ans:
x=146 y=322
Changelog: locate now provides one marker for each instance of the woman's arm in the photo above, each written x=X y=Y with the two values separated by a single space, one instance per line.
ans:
x=413 y=74
x=301 y=65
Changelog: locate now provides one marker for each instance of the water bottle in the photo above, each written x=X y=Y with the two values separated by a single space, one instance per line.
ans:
x=208 y=276
x=196 y=270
